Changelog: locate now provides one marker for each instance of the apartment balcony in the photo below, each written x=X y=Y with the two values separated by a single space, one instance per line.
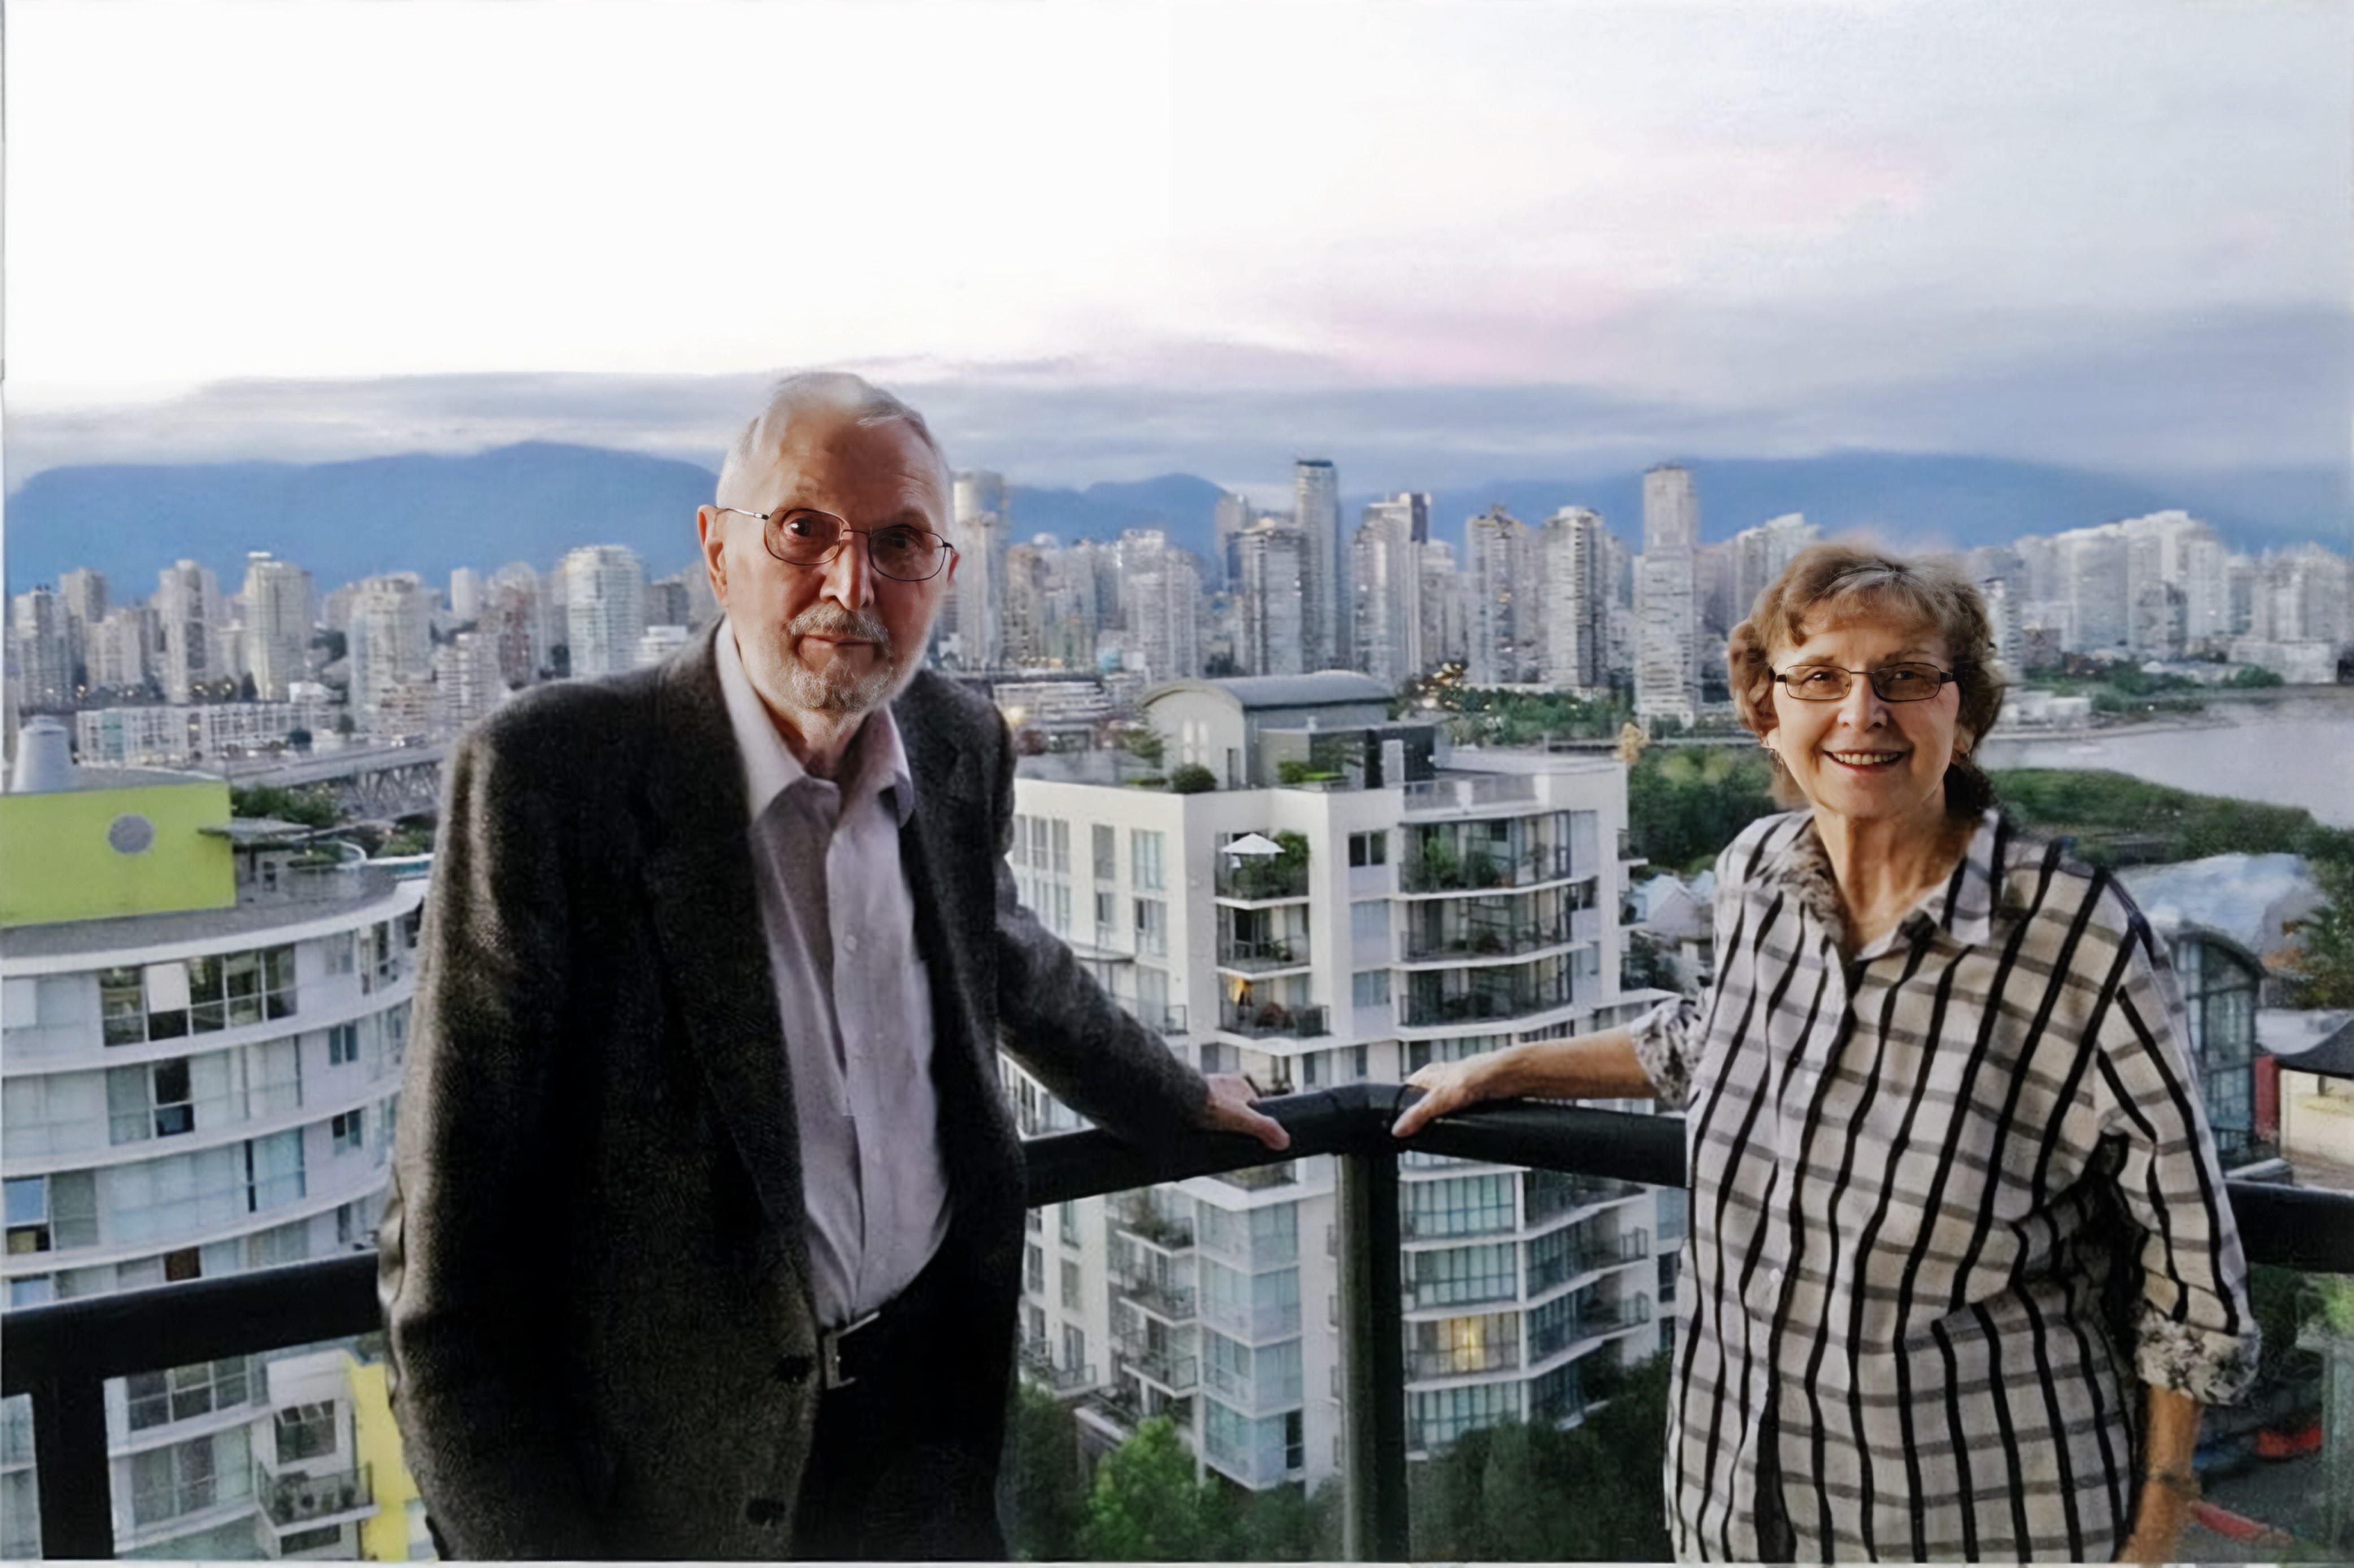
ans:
x=1142 y=1220
x=1551 y=1193
x=1158 y=1365
x=1038 y=1363
x=1593 y=1322
x=1273 y=1021
x=1154 y=1292
x=1424 y=1366
x=1486 y=997
x=1264 y=958
x=1469 y=792
x=1464 y=941
x=1440 y=868
x=1167 y=1018
x=61 y=1353
x=295 y=1499
x=1261 y=879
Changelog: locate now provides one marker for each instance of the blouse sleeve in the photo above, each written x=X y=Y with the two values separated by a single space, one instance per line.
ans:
x=2194 y=1330
x=1667 y=1039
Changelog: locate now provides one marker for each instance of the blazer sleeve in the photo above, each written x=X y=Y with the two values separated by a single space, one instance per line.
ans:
x=467 y=1242
x=1059 y=1023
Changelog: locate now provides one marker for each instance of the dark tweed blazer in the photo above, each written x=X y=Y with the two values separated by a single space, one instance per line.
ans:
x=594 y=1277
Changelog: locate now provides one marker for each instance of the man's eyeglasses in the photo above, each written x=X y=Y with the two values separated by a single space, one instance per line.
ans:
x=803 y=538
x=1893 y=682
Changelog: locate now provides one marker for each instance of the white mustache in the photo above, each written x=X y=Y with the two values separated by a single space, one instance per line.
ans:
x=833 y=620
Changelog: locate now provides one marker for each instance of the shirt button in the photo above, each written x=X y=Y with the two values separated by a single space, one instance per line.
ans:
x=1775 y=1275
x=849 y=944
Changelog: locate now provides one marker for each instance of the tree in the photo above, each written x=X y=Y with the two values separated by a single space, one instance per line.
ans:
x=2323 y=962
x=1192 y=778
x=1532 y=1493
x=312 y=808
x=1147 y=1507
x=1684 y=803
x=1143 y=743
x=1050 y=1486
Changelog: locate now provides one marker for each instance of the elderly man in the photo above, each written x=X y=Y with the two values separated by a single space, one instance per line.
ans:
x=707 y=1213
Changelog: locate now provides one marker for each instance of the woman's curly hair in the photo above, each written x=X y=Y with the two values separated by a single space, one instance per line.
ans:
x=1854 y=582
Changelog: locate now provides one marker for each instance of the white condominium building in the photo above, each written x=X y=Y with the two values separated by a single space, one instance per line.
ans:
x=1386 y=908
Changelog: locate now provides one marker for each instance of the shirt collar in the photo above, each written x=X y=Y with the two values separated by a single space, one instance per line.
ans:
x=1963 y=905
x=770 y=766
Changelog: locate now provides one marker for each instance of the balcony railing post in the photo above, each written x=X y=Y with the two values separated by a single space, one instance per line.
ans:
x=76 y=1488
x=1372 y=1350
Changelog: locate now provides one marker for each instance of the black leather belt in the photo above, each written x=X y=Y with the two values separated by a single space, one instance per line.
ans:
x=842 y=1353
x=862 y=1347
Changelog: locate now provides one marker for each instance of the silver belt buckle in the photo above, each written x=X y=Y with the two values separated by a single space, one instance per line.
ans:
x=829 y=1352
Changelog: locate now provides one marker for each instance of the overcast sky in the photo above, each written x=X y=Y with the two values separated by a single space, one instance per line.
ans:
x=1105 y=234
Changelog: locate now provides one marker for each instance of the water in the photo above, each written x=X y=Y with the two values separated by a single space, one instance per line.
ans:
x=2293 y=750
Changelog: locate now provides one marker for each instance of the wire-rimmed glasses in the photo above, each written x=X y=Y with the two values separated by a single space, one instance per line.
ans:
x=1891 y=683
x=804 y=536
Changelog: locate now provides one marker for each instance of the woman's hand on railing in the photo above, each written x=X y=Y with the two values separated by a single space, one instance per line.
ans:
x=1446 y=1087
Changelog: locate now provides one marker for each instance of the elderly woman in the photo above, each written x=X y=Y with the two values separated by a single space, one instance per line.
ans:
x=1952 y=1190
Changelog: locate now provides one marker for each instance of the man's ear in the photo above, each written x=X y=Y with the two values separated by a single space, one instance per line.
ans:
x=712 y=534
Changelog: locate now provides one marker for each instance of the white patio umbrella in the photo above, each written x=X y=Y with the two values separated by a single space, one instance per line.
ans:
x=1253 y=844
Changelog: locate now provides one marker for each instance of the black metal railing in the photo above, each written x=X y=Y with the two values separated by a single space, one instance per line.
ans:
x=62 y=1353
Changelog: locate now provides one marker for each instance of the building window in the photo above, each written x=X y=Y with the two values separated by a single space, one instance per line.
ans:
x=1070 y=1283
x=1369 y=849
x=188 y=1477
x=1459 y=1205
x=199 y=995
x=1436 y=1418
x=51 y=1213
x=1061 y=841
x=1454 y=1347
x=1033 y=1270
x=1369 y=920
x=1074 y=1346
x=1145 y=848
x=33 y=1290
x=154 y=1399
x=378 y=962
x=273 y=1170
x=1070 y=1224
x=340 y=953
x=1369 y=988
x=279 y=1244
x=153 y=1101
x=305 y=1432
x=1151 y=928
x=1450 y=1275
x=295 y=1540
x=1105 y=845
x=343 y=1045
x=348 y=1132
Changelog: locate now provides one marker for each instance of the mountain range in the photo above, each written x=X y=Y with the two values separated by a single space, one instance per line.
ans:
x=532 y=502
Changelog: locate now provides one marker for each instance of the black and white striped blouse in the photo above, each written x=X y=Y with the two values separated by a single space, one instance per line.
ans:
x=1952 y=1199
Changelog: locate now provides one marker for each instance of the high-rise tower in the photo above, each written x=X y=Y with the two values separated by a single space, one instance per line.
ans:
x=1315 y=513
x=1667 y=629
x=277 y=623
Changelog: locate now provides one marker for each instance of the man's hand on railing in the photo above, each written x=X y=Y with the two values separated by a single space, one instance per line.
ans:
x=1228 y=1109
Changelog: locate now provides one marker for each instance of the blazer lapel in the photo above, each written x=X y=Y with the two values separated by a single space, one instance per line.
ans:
x=706 y=914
